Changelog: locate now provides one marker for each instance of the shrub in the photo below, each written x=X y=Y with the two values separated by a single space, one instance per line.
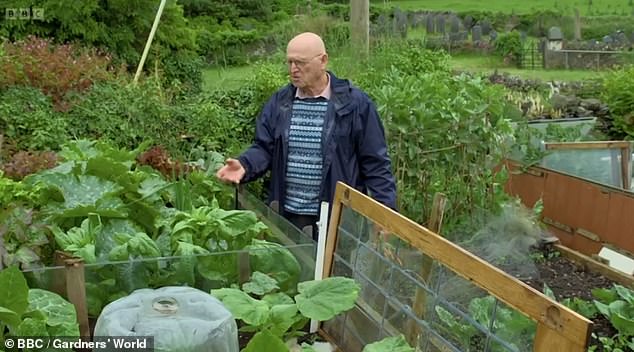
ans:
x=54 y=69
x=28 y=120
x=618 y=93
x=509 y=46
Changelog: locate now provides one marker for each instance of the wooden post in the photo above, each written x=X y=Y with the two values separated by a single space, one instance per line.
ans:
x=76 y=290
x=577 y=25
x=626 y=175
x=244 y=267
x=420 y=298
x=360 y=25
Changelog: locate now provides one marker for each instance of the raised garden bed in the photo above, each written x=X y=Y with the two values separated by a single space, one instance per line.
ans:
x=569 y=274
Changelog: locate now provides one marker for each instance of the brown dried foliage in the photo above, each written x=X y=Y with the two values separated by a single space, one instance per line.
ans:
x=160 y=160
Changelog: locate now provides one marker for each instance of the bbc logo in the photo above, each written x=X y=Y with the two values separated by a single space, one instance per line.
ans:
x=35 y=13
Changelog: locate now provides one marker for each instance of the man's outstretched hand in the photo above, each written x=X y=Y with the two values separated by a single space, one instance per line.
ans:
x=232 y=172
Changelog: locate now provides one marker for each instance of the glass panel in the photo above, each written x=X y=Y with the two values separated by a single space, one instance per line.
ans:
x=341 y=268
x=455 y=326
x=285 y=231
x=512 y=328
x=371 y=298
x=106 y=282
x=335 y=327
x=404 y=291
x=361 y=327
x=373 y=266
x=599 y=165
x=346 y=246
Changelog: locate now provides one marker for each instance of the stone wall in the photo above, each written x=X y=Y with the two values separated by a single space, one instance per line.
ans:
x=581 y=59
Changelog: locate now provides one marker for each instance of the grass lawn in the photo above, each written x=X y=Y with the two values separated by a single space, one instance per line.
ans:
x=607 y=7
x=233 y=77
x=225 y=78
x=488 y=64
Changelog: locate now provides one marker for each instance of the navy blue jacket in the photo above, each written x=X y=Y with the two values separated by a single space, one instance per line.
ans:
x=353 y=145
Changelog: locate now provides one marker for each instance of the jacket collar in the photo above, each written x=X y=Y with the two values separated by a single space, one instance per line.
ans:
x=340 y=90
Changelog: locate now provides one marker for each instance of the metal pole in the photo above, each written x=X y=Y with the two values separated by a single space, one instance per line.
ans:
x=149 y=40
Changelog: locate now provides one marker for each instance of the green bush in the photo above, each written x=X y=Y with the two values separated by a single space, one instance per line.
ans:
x=28 y=120
x=445 y=133
x=119 y=27
x=509 y=47
x=618 y=93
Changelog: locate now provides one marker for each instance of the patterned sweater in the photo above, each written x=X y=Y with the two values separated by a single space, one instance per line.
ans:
x=305 y=159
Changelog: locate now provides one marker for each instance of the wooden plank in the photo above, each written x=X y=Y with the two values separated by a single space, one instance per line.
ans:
x=244 y=267
x=547 y=340
x=333 y=229
x=76 y=290
x=567 y=324
x=626 y=155
x=620 y=222
x=528 y=184
x=587 y=145
x=586 y=262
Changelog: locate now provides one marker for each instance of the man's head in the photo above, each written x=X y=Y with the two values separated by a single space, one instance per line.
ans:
x=306 y=58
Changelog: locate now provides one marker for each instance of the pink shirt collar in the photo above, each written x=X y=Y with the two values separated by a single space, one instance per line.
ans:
x=326 y=93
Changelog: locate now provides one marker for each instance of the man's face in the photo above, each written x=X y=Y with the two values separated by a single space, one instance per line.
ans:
x=305 y=69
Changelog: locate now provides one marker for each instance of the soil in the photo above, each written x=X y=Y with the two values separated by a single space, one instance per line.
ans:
x=568 y=280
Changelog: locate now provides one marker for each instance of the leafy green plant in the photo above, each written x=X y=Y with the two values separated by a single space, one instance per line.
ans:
x=507 y=324
x=24 y=240
x=275 y=315
x=618 y=93
x=102 y=205
x=509 y=46
x=446 y=134
x=617 y=304
x=28 y=120
x=32 y=312
x=389 y=344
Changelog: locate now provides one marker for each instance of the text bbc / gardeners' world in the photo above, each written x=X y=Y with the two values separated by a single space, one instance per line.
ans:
x=102 y=342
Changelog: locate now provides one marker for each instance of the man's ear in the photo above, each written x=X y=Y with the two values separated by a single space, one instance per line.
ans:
x=324 y=59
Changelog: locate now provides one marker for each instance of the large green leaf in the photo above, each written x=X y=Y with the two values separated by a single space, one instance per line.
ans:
x=235 y=222
x=324 y=299
x=265 y=341
x=276 y=261
x=32 y=327
x=81 y=191
x=604 y=295
x=106 y=168
x=389 y=344
x=277 y=298
x=282 y=317
x=243 y=306
x=625 y=293
x=260 y=284
x=104 y=242
x=622 y=317
x=57 y=310
x=150 y=187
x=9 y=317
x=14 y=295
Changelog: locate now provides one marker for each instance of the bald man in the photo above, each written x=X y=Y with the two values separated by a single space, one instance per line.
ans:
x=312 y=133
